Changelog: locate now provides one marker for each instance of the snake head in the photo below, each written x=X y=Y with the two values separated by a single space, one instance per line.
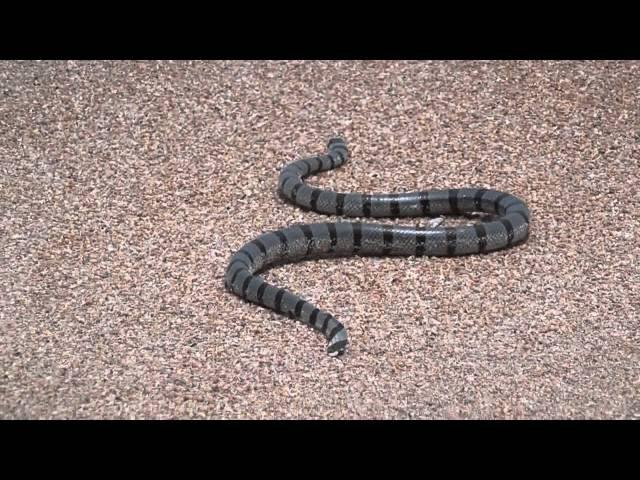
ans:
x=338 y=344
x=338 y=149
x=337 y=142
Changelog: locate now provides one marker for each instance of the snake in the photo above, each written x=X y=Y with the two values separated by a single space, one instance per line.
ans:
x=505 y=224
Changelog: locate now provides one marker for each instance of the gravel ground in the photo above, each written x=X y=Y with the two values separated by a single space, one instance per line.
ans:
x=126 y=186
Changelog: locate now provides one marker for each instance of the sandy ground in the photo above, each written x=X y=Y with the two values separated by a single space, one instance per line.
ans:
x=126 y=186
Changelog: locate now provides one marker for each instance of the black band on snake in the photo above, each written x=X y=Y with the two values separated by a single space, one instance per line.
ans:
x=321 y=240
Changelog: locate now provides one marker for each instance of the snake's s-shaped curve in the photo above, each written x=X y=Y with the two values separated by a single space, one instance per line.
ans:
x=321 y=240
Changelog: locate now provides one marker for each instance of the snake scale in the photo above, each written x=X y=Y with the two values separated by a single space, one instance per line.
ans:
x=507 y=226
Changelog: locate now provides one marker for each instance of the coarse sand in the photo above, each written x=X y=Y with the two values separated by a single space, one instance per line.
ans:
x=126 y=186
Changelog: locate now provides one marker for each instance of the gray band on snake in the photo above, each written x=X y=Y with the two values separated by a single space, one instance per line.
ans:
x=321 y=240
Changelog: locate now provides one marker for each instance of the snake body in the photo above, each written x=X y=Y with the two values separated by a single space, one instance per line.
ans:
x=320 y=240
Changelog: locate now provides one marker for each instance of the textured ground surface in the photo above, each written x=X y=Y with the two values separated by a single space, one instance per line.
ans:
x=125 y=187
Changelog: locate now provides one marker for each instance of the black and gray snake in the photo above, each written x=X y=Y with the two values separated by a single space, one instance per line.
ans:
x=509 y=226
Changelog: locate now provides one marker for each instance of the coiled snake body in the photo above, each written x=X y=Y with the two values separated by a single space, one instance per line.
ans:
x=321 y=240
